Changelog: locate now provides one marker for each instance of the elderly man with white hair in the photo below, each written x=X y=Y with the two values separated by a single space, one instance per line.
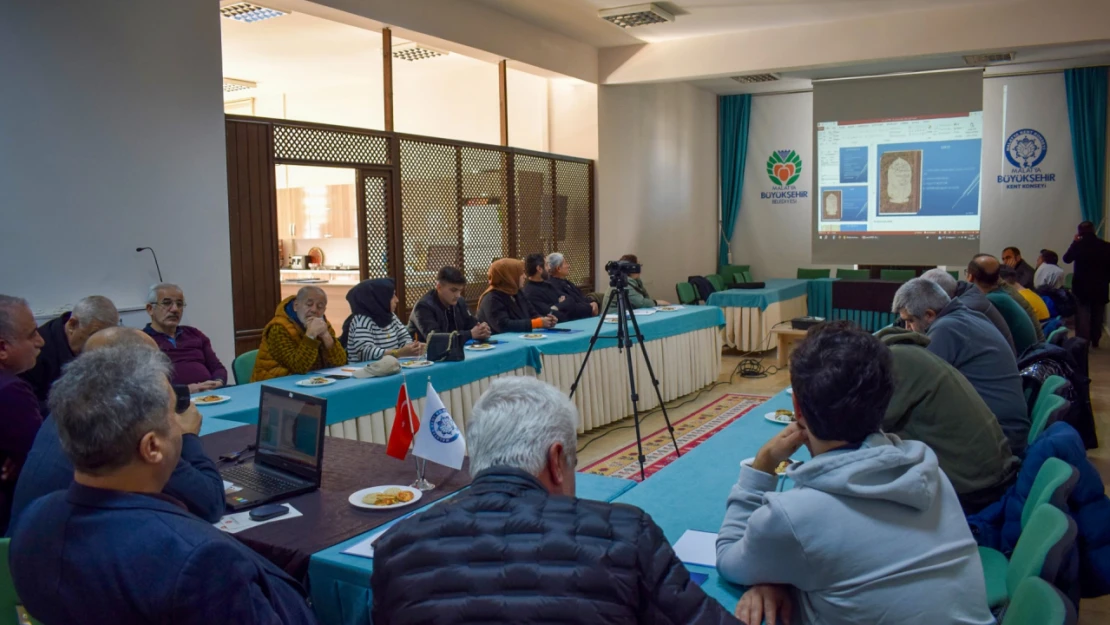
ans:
x=65 y=337
x=194 y=361
x=973 y=298
x=518 y=547
x=558 y=270
x=966 y=340
x=299 y=338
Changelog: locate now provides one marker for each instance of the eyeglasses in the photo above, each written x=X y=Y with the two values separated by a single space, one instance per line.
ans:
x=167 y=303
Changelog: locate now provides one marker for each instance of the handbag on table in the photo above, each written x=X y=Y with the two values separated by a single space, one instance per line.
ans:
x=445 y=347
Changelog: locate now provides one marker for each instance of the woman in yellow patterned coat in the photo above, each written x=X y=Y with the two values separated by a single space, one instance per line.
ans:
x=299 y=338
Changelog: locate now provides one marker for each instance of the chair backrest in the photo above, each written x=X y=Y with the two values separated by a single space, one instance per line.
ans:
x=742 y=277
x=728 y=270
x=686 y=293
x=901 y=275
x=1057 y=337
x=9 y=599
x=853 y=274
x=717 y=281
x=1053 y=485
x=1037 y=602
x=1051 y=386
x=1021 y=327
x=1044 y=542
x=1068 y=279
x=243 y=366
x=813 y=274
x=955 y=274
x=1045 y=413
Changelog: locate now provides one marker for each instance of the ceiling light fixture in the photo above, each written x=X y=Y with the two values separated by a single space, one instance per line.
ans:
x=753 y=79
x=231 y=85
x=249 y=12
x=412 y=51
x=987 y=59
x=636 y=15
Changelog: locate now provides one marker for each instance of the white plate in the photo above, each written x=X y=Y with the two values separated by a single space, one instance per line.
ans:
x=749 y=461
x=533 y=337
x=480 y=347
x=610 y=318
x=644 y=312
x=316 y=381
x=416 y=364
x=669 y=308
x=222 y=399
x=356 y=497
x=781 y=420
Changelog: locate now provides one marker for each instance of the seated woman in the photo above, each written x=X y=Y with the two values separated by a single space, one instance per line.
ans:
x=373 y=330
x=299 y=338
x=637 y=294
x=502 y=306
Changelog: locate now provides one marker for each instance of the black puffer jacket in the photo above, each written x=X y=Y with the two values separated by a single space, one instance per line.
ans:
x=506 y=551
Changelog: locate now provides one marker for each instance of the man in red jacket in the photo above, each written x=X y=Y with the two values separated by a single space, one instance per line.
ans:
x=190 y=351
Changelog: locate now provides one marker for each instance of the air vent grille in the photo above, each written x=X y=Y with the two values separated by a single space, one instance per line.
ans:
x=249 y=13
x=987 y=59
x=753 y=79
x=636 y=15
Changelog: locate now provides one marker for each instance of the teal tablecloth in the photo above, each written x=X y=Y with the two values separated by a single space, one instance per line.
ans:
x=211 y=425
x=690 y=493
x=777 y=290
x=820 y=305
x=340 y=583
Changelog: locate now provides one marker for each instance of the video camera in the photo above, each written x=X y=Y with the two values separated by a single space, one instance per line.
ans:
x=619 y=270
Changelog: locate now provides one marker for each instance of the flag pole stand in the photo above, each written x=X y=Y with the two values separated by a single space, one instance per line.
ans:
x=421 y=484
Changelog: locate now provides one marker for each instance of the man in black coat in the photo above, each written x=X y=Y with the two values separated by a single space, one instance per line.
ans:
x=1090 y=258
x=518 y=547
x=1011 y=256
x=549 y=294
x=65 y=337
x=444 y=309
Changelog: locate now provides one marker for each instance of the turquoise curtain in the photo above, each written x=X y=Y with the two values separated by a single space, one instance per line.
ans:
x=1087 y=90
x=734 y=113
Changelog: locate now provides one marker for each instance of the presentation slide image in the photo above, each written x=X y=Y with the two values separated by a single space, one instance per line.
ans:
x=853 y=165
x=929 y=179
x=844 y=203
x=900 y=182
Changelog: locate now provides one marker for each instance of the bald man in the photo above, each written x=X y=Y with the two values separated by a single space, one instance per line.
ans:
x=195 y=482
x=984 y=272
x=299 y=338
x=65 y=338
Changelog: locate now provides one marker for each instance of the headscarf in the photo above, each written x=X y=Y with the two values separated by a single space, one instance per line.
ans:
x=370 y=298
x=504 y=276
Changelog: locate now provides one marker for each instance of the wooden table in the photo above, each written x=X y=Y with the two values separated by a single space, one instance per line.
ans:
x=787 y=336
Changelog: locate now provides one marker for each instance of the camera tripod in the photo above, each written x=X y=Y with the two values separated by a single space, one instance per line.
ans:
x=619 y=294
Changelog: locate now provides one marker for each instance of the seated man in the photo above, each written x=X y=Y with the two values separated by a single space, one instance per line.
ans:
x=114 y=548
x=558 y=270
x=1012 y=257
x=546 y=295
x=966 y=340
x=1036 y=302
x=19 y=408
x=190 y=351
x=637 y=294
x=973 y=298
x=195 y=481
x=983 y=271
x=872 y=531
x=64 y=339
x=1048 y=271
x=299 y=338
x=518 y=547
x=443 y=309
x=935 y=404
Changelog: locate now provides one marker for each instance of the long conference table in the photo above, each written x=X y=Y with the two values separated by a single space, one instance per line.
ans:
x=684 y=347
x=688 y=494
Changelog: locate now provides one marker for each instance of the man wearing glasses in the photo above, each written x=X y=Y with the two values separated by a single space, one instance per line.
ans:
x=190 y=351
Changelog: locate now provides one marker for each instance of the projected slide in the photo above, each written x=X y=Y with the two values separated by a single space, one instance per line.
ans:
x=901 y=176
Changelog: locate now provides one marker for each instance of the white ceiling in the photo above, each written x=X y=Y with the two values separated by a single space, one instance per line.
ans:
x=578 y=19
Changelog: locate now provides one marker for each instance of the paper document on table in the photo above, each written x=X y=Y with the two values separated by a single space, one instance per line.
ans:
x=346 y=370
x=364 y=548
x=235 y=523
x=695 y=547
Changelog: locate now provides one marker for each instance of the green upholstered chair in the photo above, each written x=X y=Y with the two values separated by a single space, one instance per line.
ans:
x=1067 y=280
x=9 y=599
x=742 y=277
x=243 y=366
x=717 y=281
x=813 y=274
x=1048 y=409
x=1058 y=336
x=853 y=274
x=1037 y=602
x=729 y=271
x=1021 y=327
x=955 y=274
x=900 y=275
x=686 y=293
x=1040 y=551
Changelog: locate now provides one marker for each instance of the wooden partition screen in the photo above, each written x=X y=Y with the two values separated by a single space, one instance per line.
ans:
x=424 y=203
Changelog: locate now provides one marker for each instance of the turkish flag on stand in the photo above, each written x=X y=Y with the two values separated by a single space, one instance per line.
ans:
x=405 y=426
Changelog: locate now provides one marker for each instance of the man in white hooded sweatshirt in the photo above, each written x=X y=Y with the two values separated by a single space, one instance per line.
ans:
x=872 y=531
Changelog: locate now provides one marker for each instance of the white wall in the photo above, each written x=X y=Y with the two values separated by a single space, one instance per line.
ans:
x=573 y=117
x=113 y=138
x=657 y=181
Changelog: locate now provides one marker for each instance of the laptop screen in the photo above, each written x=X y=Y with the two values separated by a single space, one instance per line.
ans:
x=290 y=429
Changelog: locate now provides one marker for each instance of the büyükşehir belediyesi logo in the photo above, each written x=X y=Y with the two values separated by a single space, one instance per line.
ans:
x=784 y=167
x=1025 y=150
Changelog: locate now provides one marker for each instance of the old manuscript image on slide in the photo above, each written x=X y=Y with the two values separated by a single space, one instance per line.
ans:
x=832 y=205
x=900 y=182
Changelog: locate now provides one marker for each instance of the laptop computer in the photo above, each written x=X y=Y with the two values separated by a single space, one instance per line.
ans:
x=289 y=452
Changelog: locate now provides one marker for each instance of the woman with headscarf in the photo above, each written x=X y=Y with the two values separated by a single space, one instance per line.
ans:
x=373 y=330
x=502 y=306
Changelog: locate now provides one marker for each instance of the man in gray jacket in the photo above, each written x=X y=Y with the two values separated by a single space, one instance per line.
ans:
x=872 y=531
x=973 y=298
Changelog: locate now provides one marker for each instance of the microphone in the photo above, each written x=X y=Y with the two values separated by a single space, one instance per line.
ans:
x=156 y=266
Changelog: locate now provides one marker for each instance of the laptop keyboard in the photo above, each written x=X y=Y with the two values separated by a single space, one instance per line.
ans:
x=247 y=476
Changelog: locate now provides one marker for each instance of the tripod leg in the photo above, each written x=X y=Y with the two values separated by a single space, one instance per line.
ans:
x=623 y=340
x=593 y=339
x=654 y=382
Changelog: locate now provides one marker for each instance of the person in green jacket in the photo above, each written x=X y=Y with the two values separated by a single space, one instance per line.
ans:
x=935 y=404
x=637 y=294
